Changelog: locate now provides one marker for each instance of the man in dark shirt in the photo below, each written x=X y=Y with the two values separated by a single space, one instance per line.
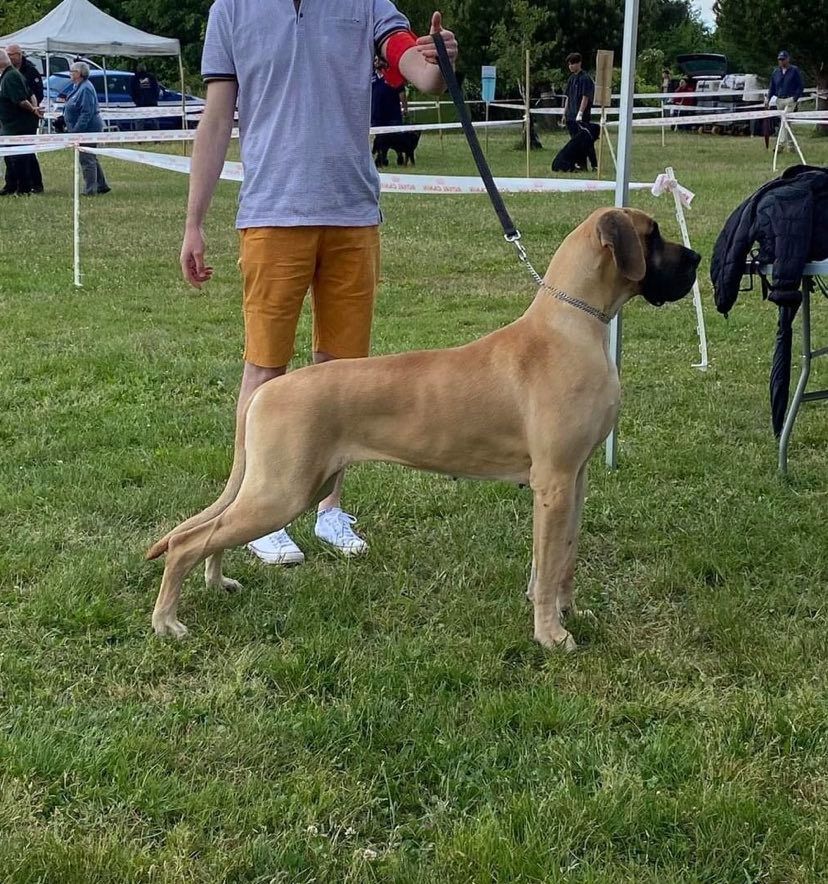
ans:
x=18 y=116
x=786 y=84
x=580 y=91
x=145 y=92
x=34 y=83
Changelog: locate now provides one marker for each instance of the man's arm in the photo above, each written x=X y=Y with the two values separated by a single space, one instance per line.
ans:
x=209 y=151
x=586 y=99
x=418 y=64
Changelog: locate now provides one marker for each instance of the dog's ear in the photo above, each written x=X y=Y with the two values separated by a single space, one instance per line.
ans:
x=617 y=232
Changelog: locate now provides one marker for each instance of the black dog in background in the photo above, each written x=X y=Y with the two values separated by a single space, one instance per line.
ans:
x=579 y=150
x=403 y=143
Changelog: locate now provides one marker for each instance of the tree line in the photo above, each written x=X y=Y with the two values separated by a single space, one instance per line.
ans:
x=749 y=32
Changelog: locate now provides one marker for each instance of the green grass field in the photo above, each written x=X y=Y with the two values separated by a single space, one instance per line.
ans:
x=391 y=719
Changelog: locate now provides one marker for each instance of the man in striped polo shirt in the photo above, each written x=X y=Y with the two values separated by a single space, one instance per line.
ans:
x=308 y=218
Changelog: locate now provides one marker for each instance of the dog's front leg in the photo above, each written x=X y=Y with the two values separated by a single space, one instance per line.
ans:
x=553 y=512
x=566 y=594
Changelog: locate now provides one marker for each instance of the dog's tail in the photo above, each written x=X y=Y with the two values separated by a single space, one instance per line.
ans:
x=231 y=489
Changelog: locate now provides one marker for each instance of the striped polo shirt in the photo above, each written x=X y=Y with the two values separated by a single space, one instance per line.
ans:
x=304 y=102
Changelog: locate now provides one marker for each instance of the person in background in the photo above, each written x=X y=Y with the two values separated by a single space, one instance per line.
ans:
x=18 y=116
x=580 y=92
x=309 y=210
x=388 y=103
x=81 y=115
x=145 y=92
x=34 y=83
x=787 y=87
x=683 y=97
x=666 y=80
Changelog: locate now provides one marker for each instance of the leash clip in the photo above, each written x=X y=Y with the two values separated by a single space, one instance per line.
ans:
x=514 y=238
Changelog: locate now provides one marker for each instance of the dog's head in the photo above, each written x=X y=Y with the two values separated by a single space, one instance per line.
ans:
x=659 y=270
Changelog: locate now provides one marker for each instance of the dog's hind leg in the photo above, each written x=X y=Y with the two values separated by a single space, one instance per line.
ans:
x=553 y=508
x=226 y=497
x=258 y=508
x=213 y=575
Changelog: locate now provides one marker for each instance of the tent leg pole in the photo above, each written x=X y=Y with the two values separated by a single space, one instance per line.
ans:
x=48 y=97
x=796 y=143
x=183 y=101
x=778 y=139
x=76 y=218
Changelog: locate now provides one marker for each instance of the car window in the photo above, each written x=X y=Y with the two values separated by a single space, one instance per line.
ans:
x=117 y=87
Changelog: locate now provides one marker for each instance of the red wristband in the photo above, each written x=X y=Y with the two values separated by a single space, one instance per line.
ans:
x=395 y=47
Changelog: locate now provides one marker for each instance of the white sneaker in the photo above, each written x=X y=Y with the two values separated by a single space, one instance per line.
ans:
x=334 y=527
x=277 y=549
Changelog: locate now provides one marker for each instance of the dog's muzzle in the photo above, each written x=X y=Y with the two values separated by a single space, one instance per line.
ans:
x=670 y=275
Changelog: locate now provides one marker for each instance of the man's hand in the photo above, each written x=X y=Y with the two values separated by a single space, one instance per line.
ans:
x=426 y=47
x=195 y=271
x=578 y=117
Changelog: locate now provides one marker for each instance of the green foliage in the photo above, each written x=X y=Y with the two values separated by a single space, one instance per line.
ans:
x=753 y=31
x=510 y=43
x=649 y=66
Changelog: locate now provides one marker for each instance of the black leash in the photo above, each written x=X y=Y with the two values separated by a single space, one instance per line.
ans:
x=510 y=232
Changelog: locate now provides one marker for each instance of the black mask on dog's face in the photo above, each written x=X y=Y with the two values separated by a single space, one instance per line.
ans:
x=671 y=269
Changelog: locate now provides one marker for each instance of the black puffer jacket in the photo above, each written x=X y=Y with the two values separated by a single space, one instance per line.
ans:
x=788 y=217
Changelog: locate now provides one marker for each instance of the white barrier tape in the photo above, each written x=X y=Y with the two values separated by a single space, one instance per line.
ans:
x=23 y=149
x=137 y=113
x=703 y=120
x=704 y=109
x=145 y=136
x=433 y=127
x=418 y=184
x=168 y=161
x=70 y=138
x=596 y=111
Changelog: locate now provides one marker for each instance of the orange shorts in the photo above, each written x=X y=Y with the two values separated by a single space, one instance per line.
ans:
x=340 y=265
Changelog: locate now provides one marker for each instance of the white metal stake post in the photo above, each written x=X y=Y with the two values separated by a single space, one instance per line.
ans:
x=183 y=100
x=622 y=178
x=793 y=138
x=785 y=126
x=702 y=364
x=76 y=218
x=528 y=116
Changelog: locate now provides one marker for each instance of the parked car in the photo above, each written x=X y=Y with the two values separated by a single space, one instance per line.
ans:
x=708 y=72
x=115 y=94
x=58 y=62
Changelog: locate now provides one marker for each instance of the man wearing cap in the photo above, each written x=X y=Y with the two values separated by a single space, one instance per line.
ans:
x=786 y=85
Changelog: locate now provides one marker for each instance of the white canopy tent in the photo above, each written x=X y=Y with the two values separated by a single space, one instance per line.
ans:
x=77 y=26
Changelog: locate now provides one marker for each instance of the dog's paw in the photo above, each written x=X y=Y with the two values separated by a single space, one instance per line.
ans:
x=562 y=640
x=169 y=626
x=230 y=585
x=225 y=583
x=571 y=609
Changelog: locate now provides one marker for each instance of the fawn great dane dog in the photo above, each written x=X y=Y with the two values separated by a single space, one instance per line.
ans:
x=528 y=403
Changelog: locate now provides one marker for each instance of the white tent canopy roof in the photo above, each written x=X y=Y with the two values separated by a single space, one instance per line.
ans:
x=77 y=26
